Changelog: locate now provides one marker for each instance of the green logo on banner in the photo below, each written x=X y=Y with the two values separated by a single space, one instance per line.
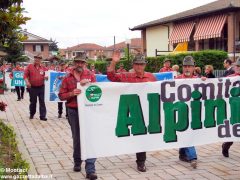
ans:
x=93 y=93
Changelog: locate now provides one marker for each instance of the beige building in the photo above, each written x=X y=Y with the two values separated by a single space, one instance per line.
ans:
x=211 y=26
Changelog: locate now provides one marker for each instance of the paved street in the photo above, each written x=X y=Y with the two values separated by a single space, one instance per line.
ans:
x=48 y=148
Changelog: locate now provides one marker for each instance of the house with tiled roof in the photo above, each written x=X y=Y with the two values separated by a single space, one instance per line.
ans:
x=134 y=45
x=212 y=26
x=92 y=50
x=62 y=53
x=35 y=45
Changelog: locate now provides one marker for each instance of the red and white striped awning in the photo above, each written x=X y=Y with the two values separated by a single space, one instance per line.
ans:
x=210 y=27
x=181 y=32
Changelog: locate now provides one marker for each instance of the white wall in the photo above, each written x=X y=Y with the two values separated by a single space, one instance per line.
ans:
x=157 y=38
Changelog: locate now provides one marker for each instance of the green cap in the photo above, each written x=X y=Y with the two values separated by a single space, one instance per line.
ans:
x=81 y=57
x=188 y=61
x=139 y=59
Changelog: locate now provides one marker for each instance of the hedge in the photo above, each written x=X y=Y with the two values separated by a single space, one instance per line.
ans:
x=202 y=58
x=9 y=154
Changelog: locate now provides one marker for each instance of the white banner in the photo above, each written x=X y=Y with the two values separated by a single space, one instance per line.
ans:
x=123 y=118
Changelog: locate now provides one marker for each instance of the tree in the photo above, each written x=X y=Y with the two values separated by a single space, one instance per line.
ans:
x=15 y=52
x=53 y=46
x=11 y=17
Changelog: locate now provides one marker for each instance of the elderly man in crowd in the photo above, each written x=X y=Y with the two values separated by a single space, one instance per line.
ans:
x=188 y=154
x=69 y=92
x=34 y=76
x=138 y=75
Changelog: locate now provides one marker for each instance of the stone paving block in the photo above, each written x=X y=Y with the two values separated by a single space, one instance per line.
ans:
x=44 y=171
x=188 y=176
x=217 y=172
x=54 y=167
x=49 y=155
x=231 y=177
x=120 y=175
x=173 y=172
x=130 y=171
x=165 y=176
x=76 y=175
x=38 y=159
x=61 y=175
x=64 y=178
x=211 y=176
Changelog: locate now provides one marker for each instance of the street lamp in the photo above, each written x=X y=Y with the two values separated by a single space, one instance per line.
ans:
x=127 y=42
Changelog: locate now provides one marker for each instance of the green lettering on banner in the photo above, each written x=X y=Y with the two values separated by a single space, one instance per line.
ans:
x=171 y=125
x=154 y=113
x=196 y=108
x=210 y=108
x=234 y=102
x=130 y=113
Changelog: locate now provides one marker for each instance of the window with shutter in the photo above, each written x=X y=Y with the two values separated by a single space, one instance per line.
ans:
x=38 y=48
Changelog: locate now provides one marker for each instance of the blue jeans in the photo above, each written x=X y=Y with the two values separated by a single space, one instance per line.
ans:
x=74 y=123
x=188 y=152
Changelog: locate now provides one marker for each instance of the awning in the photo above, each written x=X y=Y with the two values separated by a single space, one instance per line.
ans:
x=210 y=27
x=181 y=32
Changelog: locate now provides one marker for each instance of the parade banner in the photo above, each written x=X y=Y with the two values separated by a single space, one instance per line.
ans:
x=164 y=76
x=159 y=77
x=18 y=78
x=52 y=85
x=101 y=78
x=123 y=118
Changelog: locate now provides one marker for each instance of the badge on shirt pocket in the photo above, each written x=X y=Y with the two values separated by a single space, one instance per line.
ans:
x=42 y=72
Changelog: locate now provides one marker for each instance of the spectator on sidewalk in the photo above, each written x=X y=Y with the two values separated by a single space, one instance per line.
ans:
x=121 y=68
x=209 y=71
x=94 y=70
x=198 y=72
x=226 y=146
x=166 y=65
x=228 y=66
x=175 y=69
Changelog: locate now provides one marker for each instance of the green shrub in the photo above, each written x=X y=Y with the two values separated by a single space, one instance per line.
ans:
x=202 y=58
x=9 y=154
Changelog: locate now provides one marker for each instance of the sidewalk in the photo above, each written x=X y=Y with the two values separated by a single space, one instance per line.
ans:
x=48 y=148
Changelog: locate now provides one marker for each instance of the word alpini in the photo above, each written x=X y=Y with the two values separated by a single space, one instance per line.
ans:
x=176 y=114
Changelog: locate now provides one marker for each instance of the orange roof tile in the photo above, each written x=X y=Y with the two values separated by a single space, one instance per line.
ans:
x=85 y=46
x=135 y=43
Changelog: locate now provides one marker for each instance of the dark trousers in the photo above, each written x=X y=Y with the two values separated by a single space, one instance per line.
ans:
x=60 y=108
x=141 y=158
x=34 y=93
x=20 y=91
x=74 y=123
x=228 y=144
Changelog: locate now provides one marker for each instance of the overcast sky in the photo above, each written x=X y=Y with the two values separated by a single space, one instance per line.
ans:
x=72 y=22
